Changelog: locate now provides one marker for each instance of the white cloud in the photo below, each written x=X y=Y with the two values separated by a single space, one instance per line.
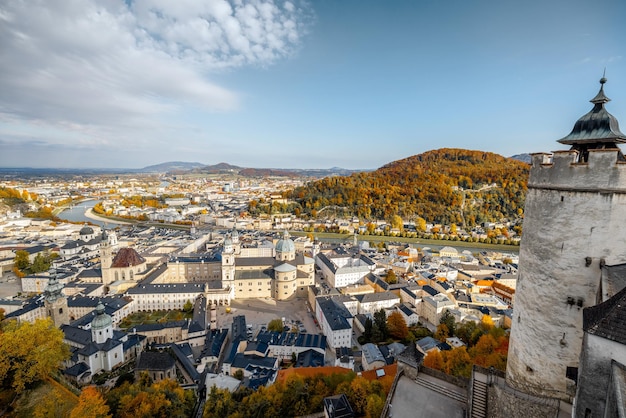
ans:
x=82 y=65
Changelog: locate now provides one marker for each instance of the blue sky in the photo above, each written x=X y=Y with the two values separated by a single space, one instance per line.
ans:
x=317 y=84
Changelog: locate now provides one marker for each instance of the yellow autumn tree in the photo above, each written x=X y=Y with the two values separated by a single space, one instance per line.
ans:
x=91 y=404
x=29 y=352
x=434 y=360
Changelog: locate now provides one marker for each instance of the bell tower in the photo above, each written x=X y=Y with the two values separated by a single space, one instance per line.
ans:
x=573 y=225
x=228 y=262
x=55 y=301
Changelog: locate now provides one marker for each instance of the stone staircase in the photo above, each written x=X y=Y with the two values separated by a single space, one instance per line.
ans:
x=441 y=389
x=479 y=400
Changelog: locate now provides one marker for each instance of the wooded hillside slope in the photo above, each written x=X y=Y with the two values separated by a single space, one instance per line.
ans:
x=442 y=186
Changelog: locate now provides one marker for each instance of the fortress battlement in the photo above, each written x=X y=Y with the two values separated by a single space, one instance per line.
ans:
x=604 y=171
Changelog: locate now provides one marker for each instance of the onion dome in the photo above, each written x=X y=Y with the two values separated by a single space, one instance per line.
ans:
x=102 y=319
x=285 y=244
x=597 y=129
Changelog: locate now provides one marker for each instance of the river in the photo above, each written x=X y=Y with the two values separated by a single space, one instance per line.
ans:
x=77 y=213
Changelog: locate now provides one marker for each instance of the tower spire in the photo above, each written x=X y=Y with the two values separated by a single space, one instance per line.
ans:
x=597 y=129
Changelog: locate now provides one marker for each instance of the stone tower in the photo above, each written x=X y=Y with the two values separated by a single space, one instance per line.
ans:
x=573 y=225
x=55 y=302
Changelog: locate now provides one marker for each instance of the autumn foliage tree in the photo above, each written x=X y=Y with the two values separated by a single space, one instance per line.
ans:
x=91 y=404
x=165 y=399
x=432 y=186
x=29 y=352
x=397 y=326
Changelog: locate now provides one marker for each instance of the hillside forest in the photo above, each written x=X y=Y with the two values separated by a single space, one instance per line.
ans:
x=447 y=186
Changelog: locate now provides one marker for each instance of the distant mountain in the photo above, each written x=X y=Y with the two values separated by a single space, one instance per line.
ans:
x=446 y=185
x=273 y=172
x=172 y=166
x=526 y=158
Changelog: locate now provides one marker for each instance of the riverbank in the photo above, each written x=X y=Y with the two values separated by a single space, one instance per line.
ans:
x=89 y=214
x=421 y=242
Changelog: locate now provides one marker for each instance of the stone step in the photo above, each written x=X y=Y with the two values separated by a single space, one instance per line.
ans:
x=479 y=400
x=441 y=389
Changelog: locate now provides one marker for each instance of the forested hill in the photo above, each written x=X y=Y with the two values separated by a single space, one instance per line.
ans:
x=444 y=186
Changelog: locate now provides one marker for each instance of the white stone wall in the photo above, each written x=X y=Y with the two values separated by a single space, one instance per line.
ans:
x=574 y=215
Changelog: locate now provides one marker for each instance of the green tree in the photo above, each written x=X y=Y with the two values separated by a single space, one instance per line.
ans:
x=188 y=307
x=22 y=260
x=448 y=319
x=275 y=325
x=380 y=325
x=40 y=264
x=29 y=352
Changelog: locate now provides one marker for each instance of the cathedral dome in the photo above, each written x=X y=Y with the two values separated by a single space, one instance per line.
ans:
x=102 y=319
x=86 y=230
x=285 y=244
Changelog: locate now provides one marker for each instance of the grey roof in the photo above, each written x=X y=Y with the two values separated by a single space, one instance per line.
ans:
x=427 y=343
x=607 y=319
x=155 y=360
x=76 y=335
x=292 y=339
x=372 y=353
x=213 y=342
x=185 y=362
x=324 y=259
x=254 y=261
x=597 y=126
x=90 y=273
x=166 y=288
x=242 y=361
x=429 y=290
x=336 y=315
x=376 y=297
x=309 y=358
x=238 y=327
x=113 y=303
x=253 y=274
x=77 y=369
x=406 y=310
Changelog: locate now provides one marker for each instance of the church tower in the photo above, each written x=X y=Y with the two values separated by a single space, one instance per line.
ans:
x=228 y=263
x=55 y=302
x=573 y=225
x=106 y=256
x=234 y=235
